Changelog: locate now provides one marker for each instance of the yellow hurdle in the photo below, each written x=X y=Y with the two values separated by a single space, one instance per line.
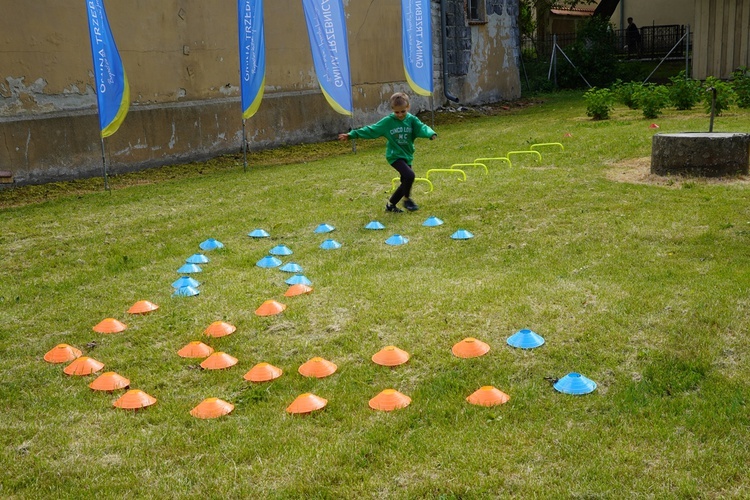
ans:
x=532 y=152
x=474 y=164
x=547 y=144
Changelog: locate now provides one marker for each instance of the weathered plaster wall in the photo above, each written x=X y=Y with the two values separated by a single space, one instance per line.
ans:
x=181 y=60
x=494 y=55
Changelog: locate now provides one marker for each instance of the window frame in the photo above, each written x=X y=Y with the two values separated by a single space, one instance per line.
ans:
x=481 y=11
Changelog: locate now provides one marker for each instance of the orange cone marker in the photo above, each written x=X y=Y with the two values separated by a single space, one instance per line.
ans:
x=109 y=381
x=488 y=396
x=142 y=307
x=270 y=308
x=263 y=372
x=212 y=408
x=83 y=366
x=109 y=325
x=390 y=356
x=470 y=348
x=62 y=353
x=195 y=349
x=317 y=367
x=306 y=403
x=220 y=329
x=218 y=361
x=298 y=289
x=134 y=399
x=389 y=400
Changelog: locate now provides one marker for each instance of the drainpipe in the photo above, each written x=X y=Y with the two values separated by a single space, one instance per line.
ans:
x=444 y=35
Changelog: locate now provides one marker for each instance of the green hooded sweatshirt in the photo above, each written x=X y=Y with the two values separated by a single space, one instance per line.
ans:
x=399 y=134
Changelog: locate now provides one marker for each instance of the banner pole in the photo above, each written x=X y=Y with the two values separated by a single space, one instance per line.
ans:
x=432 y=109
x=244 y=147
x=104 y=166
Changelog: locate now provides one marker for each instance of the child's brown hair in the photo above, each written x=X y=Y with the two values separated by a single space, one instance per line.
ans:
x=399 y=99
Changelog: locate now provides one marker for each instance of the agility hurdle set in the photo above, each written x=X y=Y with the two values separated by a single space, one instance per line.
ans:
x=458 y=169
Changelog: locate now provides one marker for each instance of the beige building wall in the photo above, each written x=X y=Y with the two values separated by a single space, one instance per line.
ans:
x=654 y=12
x=181 y=59
x=722 y=37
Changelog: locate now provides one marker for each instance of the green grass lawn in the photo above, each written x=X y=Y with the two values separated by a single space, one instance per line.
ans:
x=642 y=287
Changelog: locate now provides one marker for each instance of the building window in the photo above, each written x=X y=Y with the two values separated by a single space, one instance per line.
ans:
x=476 y=11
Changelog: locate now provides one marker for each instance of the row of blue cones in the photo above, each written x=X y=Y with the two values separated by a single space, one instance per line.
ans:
x=432 y=221
x=330 y=244
x=186 y=286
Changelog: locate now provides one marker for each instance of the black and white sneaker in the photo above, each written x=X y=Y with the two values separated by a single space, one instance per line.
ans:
x=390 y=207
x=410 y=205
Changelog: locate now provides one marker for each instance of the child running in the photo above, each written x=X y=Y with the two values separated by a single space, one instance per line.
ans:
x=400 y=130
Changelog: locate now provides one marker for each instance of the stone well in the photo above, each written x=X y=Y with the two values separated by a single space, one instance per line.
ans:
x=702 y=154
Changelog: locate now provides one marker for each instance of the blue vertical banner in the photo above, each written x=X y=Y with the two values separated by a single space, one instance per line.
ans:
x=326 y=28
x=112 y=89
x=416 y=41
x=252 y=55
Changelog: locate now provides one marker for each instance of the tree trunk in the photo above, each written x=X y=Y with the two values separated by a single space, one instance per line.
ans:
x=606 y=8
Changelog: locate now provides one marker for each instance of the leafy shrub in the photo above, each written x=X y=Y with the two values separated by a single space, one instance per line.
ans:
x=625 y=93
x=684 y=91
x=599 y=103
x=652 y=99
x=741 y=85
x=724 y=95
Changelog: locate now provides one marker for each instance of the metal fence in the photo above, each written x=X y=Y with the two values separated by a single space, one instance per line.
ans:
x=655 y=43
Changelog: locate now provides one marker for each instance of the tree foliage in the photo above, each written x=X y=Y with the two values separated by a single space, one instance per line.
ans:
x=593 y=55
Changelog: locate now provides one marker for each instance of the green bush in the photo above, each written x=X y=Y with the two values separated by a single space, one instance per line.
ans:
x=725 y=95
x=652 y=99
x=684 y=92
x=599 y=103
x=741 y=85
x=625 y=93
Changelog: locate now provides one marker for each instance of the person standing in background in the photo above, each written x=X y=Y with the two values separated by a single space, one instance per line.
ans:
x=633 y=38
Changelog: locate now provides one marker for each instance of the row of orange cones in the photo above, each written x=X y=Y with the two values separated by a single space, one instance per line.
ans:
x=387 y=400
x=316 y=367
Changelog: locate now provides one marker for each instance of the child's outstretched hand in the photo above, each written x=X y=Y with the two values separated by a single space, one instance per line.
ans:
x=433 y=137
x=343 y=137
